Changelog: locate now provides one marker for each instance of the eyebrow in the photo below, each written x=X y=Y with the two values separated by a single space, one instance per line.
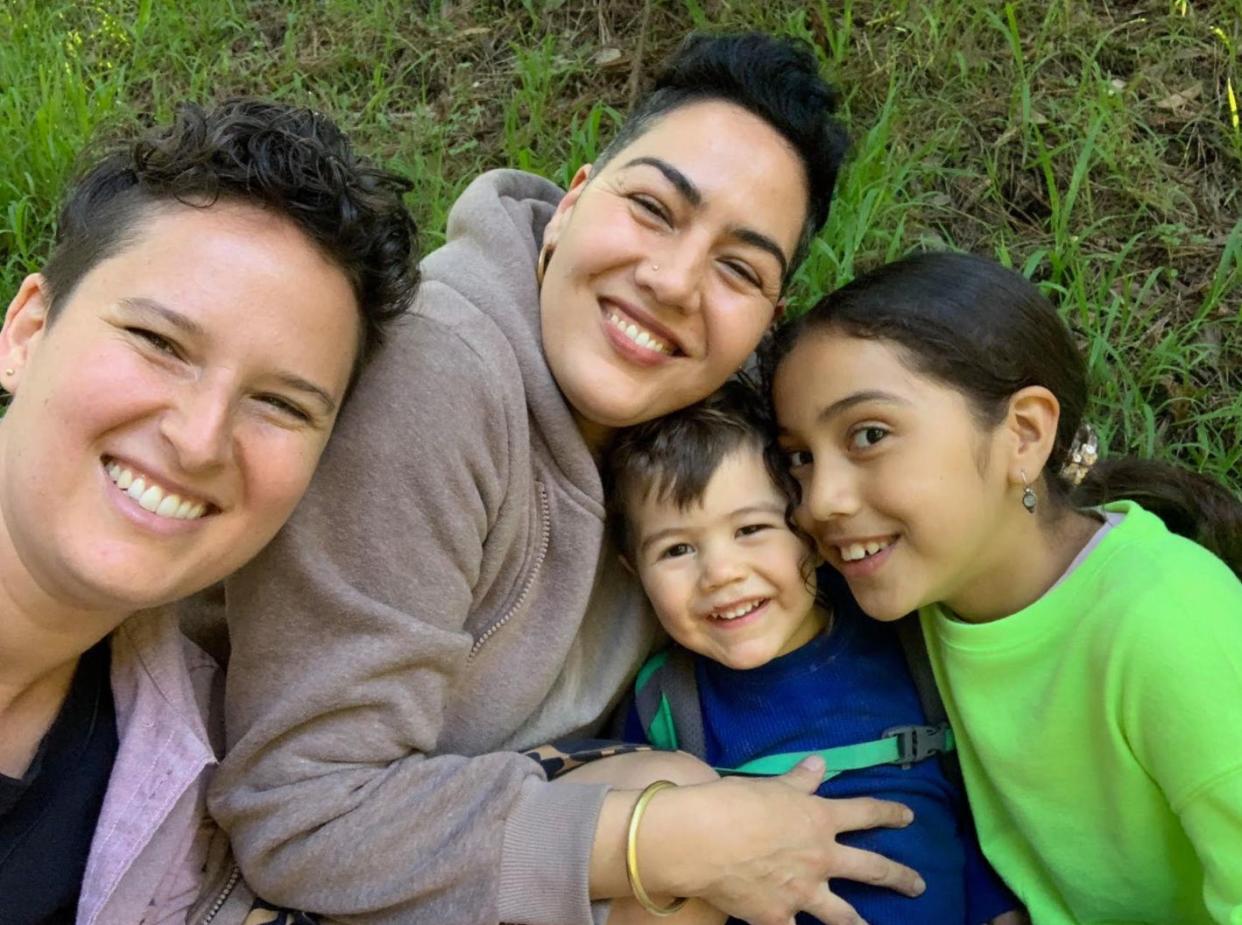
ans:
x=151 y=307
x=693 y=195
x=684 y=184
x=857 y=398
x=145 y=306
x=776 y=510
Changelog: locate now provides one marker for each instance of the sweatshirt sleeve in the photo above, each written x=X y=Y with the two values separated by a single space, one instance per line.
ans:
x=1186 y=725
x=348 y=633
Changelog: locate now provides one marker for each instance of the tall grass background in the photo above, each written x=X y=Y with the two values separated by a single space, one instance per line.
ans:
x=1095 y=147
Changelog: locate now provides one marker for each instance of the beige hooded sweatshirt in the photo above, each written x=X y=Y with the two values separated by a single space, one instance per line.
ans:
x=442 y=598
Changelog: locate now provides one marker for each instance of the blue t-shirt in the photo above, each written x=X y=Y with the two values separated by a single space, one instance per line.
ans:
x=844 y=687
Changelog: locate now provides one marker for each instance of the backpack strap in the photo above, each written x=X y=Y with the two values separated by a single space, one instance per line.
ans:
x=914 y=646
x=903 y=745
x=666 y=695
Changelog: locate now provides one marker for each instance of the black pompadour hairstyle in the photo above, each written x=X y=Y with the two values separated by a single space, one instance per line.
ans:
x=290 y=161
x=776 y=79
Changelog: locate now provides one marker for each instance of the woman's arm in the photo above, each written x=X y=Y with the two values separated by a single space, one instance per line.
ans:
x=348 y=636
x=758 y=849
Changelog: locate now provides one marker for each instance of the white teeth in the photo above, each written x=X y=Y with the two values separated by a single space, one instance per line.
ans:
x=638 y=335
x=739 y=611
x=168 y=507
x=153 y=497
x=855 y=551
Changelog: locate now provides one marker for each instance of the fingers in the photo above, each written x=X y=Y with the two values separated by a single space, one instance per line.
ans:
x=869 y=867
x=807 y=775
x=831 y=909
x=867 y=813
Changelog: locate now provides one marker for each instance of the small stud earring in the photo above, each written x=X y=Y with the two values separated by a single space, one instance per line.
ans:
x=10 y=371
x=1029 y=498
x=654 y=267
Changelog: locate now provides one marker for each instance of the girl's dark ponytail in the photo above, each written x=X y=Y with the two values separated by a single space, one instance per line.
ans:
x=1190 y=504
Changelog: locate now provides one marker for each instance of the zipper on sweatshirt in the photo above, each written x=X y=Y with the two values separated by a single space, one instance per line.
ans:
x=545 y=539
x=218 y=904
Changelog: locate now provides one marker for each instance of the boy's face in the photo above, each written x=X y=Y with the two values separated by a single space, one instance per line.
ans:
x=726 y=576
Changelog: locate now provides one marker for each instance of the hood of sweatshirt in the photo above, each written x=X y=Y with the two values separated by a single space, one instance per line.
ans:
x=495 y=230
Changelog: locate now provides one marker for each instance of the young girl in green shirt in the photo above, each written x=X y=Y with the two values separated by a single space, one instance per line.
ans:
x=1085 y=632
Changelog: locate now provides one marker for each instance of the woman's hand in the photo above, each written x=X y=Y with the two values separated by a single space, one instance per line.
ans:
x=763 y=850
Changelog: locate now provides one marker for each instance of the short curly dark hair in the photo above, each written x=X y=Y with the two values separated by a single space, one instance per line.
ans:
x=291 y=161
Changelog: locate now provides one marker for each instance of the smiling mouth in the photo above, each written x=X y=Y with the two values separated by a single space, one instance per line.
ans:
x=641 y=336
x=857 y=552
x=736 y=612
x=153 y=497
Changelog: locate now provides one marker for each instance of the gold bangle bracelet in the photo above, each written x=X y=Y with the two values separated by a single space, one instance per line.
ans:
x=631 y=852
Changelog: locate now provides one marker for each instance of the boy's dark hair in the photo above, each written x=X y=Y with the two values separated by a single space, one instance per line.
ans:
x=775 y=78
x=674 y=457
x=987 y=331
x=290 y=161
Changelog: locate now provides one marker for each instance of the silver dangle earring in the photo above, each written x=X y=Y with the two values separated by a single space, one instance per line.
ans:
x=1029 y=498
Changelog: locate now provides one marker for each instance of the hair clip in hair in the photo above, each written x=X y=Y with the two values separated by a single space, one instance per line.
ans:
x=1083 y=453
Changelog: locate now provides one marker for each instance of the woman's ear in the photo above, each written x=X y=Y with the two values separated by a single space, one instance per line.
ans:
x=565 y=207
x=1031 y=426
x=24 y=324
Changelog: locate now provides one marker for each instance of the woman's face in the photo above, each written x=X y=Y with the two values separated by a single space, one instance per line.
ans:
x=168 y=419
x=667 y=265
x=903 y=492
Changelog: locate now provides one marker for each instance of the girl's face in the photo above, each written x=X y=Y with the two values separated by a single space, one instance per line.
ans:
x=667 y=265
x=903 y=491
x=168 y=419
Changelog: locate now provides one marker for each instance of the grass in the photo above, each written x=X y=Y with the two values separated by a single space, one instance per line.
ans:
x=1095 y=147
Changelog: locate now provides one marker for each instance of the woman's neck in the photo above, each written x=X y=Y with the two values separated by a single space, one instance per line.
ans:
x=42 y=633
x=596 y=436
x=1020 y=568
x=41 y=641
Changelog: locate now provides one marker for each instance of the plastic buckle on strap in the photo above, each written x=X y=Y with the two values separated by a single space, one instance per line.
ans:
x=915 y=743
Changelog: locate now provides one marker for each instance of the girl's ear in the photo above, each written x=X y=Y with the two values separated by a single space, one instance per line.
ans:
x=1031 y=426
x=566 y=206
x=24 y=324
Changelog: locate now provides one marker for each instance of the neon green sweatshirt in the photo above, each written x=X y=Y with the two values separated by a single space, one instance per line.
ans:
x=1100 y=733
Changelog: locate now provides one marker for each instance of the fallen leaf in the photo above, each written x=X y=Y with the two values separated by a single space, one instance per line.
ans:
x=1180 y=100
x=607 y=57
